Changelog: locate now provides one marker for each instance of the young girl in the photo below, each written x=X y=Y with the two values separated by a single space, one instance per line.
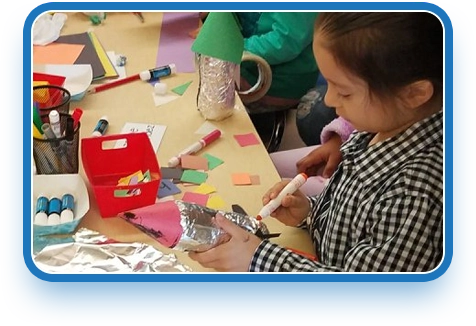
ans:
x=383 y=208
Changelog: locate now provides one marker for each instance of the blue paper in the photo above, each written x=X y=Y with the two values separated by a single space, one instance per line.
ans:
x=167 y=188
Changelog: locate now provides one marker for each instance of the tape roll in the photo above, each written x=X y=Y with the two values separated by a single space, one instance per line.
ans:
x=265 y=76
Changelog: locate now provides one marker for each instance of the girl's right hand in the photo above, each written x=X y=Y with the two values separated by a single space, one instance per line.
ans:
x=294 y=207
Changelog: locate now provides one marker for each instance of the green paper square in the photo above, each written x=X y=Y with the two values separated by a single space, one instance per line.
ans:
x=213 y=161
x=193 y=176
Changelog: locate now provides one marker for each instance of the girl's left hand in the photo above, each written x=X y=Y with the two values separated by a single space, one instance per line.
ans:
x=232 y=256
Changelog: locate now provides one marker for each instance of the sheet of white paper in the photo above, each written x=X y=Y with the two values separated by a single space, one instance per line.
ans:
x=164 y=99
x=155 y=133
x=121 y=70
x=206 y=128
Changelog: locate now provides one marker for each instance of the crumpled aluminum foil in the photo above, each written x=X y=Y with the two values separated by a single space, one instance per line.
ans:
x=94 y=253
x=216 y=91
x=187 y=226
x=200 y=233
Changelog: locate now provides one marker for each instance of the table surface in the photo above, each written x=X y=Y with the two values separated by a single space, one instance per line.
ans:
x=124 y=34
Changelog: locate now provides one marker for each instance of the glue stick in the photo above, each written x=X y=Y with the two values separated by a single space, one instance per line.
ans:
x=101 y=127
x=156 y=73
x=54 y=211
x=41 y=211
x=67 y=206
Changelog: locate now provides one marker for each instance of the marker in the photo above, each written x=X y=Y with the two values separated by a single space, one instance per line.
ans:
x=195 y=147
x=37 y=133
x=290 y=188
x=101 y=127
x=76 y=115
x=36 y=118
x=47 y=131
x=156 y=73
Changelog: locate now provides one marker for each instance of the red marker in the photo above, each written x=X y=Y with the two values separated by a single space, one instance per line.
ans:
x=76 y=115
x=195 y=147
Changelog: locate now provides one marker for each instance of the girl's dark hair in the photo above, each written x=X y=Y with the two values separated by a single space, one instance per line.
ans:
x=387 y=50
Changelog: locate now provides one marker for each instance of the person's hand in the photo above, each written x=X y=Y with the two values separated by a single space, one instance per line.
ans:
x=327 y=156
x=294 y=207
x=232 y=256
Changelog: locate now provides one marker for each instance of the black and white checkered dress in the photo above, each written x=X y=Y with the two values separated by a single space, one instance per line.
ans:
x=382 y=210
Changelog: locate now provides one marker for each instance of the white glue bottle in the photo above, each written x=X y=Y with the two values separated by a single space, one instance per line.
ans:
x=55 y=123
x=54 y=211
x=67 y=207
x=41 y=211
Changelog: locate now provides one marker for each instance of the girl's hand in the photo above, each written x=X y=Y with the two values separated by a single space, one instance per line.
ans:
x=294 y=207
x=327 y=156
x=232 y=256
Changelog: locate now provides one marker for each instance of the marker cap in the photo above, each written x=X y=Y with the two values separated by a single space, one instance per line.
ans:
x=173 y=68
x=214 y=135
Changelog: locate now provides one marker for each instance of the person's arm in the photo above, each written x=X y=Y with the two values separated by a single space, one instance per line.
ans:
x=399 y=240
x=338 y=126
x=291 y=33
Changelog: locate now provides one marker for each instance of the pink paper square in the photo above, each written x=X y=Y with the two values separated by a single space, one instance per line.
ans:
x=247 y=139
x=191 y=197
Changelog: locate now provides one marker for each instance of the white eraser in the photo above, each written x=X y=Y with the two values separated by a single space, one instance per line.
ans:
x=160 y=88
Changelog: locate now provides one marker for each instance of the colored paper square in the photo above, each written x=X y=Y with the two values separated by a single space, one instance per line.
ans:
x=213 y=161
x=56 y=53
x=167 y=188
x=193 y=176
x=241 y=179
x=255 y=180
x=204 y=189
x=194 y=162
x=191 y=197
x=216 y=202
x=171 y=173
x=247 y=139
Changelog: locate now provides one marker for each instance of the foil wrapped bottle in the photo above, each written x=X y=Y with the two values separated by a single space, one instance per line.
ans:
x=187 y=226
x=216 y=90
x=219 y=48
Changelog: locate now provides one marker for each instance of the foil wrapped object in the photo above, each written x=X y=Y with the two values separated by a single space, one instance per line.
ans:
x=216 y=92
x=187 y=226
x=94 y=253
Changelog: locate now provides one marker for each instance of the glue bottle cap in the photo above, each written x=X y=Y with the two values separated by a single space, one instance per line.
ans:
x=173 y=68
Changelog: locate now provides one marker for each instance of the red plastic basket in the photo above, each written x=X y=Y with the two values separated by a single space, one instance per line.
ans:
x=105 y=165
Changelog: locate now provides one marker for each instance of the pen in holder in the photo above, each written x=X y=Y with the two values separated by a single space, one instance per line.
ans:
x=57 y=155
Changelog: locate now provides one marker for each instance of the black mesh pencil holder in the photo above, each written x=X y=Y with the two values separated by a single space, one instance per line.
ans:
x=51 y=97
x=57 y=155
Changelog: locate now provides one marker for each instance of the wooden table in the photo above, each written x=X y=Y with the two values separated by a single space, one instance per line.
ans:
x=124 y=34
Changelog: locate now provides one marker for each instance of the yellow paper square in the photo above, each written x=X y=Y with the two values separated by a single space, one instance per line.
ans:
x=204 y=189
x=216 y=202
